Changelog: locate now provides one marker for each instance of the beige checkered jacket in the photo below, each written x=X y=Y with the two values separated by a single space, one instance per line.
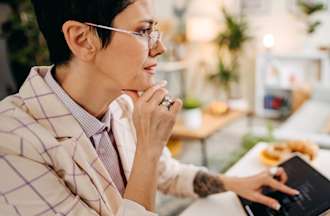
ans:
x=49 y=167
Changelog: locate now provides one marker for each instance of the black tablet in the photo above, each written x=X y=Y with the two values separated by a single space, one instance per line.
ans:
x=314 y=197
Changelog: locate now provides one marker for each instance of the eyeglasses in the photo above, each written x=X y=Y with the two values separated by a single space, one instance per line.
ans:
x=152 y=38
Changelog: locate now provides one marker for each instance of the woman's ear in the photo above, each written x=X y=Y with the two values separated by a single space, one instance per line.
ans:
x=82 y=41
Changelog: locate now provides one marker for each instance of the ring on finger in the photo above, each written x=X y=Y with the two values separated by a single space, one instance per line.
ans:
x=167 y=102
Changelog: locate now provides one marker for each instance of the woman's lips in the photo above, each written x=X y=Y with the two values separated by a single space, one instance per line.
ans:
x=151 y=69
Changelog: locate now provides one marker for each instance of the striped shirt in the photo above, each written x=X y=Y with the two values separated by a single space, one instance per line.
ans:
x=98 y=131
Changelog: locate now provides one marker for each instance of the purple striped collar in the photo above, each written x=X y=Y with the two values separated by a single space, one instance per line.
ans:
x=90 y=124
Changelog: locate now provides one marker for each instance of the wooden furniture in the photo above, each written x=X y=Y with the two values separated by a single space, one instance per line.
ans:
x=228 y=203
x=211 y=124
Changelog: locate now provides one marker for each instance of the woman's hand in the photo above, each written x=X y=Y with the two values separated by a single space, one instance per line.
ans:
x=250 y=187
x=153 y=122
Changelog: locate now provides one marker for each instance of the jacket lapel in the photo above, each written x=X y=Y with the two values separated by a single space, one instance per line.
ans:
x=124 y=131
x=50 y=112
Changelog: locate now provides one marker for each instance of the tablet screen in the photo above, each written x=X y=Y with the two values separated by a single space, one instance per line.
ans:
x=314 y=197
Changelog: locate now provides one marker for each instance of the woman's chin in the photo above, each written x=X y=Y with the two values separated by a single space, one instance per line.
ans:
x=141 y=86
x=145 y=86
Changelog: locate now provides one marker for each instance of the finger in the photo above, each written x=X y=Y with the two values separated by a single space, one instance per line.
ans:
x=281 y=187
x=267 y=201
x=158 y=97
x=147 y=95
x=176 y=107
x=282 y=176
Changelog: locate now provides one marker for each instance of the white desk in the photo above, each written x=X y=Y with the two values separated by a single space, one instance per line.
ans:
x=227 y=203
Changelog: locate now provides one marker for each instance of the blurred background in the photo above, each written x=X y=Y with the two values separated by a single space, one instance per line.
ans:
x=247 y=70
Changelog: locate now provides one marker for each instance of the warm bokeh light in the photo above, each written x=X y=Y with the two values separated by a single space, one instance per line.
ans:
x=201 y=29
x=268 y=41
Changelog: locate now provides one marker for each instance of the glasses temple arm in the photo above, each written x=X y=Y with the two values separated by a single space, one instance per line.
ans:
x=111 y=29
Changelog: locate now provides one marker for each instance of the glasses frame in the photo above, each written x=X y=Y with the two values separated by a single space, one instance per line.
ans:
x=153 y=38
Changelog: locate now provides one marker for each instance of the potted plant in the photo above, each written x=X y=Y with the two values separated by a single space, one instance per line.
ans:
x=230 y=43
x=308 y=9
x=192 y=113
x=224 y=78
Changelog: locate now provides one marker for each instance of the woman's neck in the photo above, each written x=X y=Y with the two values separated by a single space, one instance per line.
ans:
x=90 y=89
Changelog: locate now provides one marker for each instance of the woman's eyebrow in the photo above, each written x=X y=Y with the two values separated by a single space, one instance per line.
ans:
x=149 y=21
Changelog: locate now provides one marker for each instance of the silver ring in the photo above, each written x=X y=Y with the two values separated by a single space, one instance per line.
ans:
x=167 y=102
x=273 y=171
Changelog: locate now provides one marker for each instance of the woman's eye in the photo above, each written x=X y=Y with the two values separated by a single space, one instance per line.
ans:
x=145 y=31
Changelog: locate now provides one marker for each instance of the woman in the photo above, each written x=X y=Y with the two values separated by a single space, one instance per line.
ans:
x=80 y=139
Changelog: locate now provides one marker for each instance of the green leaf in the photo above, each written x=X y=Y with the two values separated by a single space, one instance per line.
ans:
x=310 y=8
x=235 y=34
x=313 y=26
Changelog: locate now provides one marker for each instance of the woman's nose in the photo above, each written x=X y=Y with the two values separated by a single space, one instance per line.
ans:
x=158 y=50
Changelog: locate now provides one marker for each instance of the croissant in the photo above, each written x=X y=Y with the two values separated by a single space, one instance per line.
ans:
x=280 y=151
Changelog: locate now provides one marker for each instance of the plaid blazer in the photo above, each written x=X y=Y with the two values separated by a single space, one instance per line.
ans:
x=49 y=166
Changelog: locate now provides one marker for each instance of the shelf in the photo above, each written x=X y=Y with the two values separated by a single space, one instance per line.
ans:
x=278 y=87
x=271 y=113
x=312 y=56
x=277 y=74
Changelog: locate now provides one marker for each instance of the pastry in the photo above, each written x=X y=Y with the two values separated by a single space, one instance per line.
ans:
x=278 y=152
x=304 y=147
x=217 y=108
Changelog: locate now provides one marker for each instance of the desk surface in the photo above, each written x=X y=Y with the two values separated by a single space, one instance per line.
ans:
x=209 y=126
x=228 y=203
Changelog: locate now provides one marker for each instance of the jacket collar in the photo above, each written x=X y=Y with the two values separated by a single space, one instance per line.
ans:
x=48 y=110
x=45 y=106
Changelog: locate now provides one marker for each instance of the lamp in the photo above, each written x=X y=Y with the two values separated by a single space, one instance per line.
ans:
x=201 y=29
x=268 y=41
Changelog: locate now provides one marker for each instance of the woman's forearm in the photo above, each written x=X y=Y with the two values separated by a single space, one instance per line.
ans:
x=142 y=184
x=206 y=183
x=153 y=124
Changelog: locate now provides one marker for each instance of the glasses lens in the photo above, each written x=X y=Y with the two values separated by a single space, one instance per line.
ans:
x=154 y=38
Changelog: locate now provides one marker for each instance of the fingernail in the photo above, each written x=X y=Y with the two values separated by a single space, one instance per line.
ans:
x=277 y=206
x=162 y=83
x=296 y=192
x=140 y=93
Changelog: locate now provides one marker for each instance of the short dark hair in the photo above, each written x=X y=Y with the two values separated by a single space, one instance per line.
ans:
x=52 y=14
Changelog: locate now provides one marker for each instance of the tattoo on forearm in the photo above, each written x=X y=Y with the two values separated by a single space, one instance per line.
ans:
x=206 y=184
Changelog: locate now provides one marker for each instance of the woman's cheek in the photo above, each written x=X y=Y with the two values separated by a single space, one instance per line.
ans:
x=143 y=81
